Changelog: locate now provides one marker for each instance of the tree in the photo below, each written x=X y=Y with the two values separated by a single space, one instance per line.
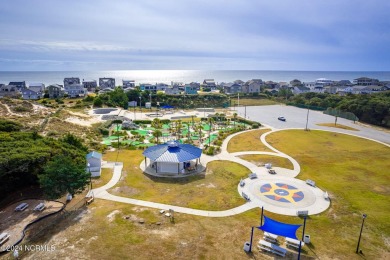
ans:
x=98 y=102
x=63 y=175
x=157 y=134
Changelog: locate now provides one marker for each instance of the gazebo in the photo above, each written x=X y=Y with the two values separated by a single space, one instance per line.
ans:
x=172 y=158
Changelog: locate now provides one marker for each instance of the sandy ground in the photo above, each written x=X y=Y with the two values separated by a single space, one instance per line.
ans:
x=13 y=223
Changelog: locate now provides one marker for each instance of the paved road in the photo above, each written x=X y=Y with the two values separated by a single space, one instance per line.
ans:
x=296 y=118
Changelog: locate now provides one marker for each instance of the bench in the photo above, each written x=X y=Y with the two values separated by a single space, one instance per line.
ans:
x=252 y=176
x=245 y=196
x=41 y=206
x=272 y=248
x=293 y=243
x=326 y=195
x=311 y=182
x=89 y=200
x=302 y=212
x=4 y=237
x=21 y=206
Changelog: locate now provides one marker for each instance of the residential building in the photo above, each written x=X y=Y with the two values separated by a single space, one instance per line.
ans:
x=231 y=88
x=252 y=86
x=299 y=89
x=106 y=83
x=90 y=85
x=71 y=81
x=191 y=90
x=31 y=94
x=331 y=89
x=173 y=90
x=55 y=91
x=128 y=84
x=37 y=87
x=364 y=81
x=310 y=85
x=324 y=82
x=161 y=86
x=148 y=87
x=75 y=90
x=18 y=84
x=295 y=82
x=209 y=85
x=9 y=91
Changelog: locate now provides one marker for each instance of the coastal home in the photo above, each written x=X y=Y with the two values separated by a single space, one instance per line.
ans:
x=364 y=81
x=55 y=91
x=209 y=85
x=37 y=87
x=323 y=82
x=310 y=85
x=18 y=84
x=343 y=82
x=161 y=86
x=173 y=90
x=375 y=89
x=31 y=94
x=129 y=84
x=94 y=164
x=299 y=89
x=90 y=85
x=9 y=91
x=106 y=83
x=231 y=88
x=148 y=87
x=190 y=90
x=295 y=82
x=71 y=81
x=330 y=89
x=252 y=86
x=75 y=90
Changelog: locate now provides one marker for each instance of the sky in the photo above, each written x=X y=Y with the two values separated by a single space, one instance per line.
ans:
x=89 y=35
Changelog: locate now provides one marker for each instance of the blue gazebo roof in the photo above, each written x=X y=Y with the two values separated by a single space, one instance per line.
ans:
x=94 y=154
x=172 y=152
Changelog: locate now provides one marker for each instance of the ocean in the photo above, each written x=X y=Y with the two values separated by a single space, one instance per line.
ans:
x=186 y=76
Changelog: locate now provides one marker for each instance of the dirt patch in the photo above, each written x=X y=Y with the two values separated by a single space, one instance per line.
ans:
x=125 y=190
x=13 y=222
x=111 y=216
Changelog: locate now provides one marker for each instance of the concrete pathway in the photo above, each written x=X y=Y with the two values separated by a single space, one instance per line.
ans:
x=314 y=201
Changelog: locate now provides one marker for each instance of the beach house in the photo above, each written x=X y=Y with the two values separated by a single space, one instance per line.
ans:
x=106 y=83
x=55 y=91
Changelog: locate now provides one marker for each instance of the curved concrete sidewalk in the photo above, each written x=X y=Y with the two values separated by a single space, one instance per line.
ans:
x=319 y=205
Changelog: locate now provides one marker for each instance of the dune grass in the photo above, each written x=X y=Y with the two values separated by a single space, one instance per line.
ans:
x=354 y=171
x=214 y=190
x=248 y=141
x=254 y=102
x=261 y=159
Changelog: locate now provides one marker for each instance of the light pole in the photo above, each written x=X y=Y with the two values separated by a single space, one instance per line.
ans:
x=361 y=229
x=307 y=119
x=140 y=108
x=150 y=100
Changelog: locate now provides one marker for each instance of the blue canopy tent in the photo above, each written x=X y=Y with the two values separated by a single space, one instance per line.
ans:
x=279 y=228
x=167 y=107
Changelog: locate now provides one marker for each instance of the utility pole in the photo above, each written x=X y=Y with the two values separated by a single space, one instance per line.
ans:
x=307 y=119
x=245 y=112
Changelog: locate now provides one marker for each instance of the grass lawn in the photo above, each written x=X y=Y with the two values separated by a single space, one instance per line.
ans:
x=254 y=102
x=248 y=141
x=104 y=178
x=261 y=159
x=217 y=190
x=355 y=172
x=338 y=126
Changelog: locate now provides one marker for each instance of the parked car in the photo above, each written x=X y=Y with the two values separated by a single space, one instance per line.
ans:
x=281 y=118
x=271 y=171
x=252 y=176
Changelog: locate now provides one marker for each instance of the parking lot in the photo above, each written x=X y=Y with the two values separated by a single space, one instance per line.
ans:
x=296 y=118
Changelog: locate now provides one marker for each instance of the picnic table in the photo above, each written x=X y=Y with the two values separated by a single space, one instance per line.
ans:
x=272 y=248
x=293 y=243
x=270 y=237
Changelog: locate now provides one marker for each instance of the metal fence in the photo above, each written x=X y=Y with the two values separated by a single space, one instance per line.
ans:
x=342 y=114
